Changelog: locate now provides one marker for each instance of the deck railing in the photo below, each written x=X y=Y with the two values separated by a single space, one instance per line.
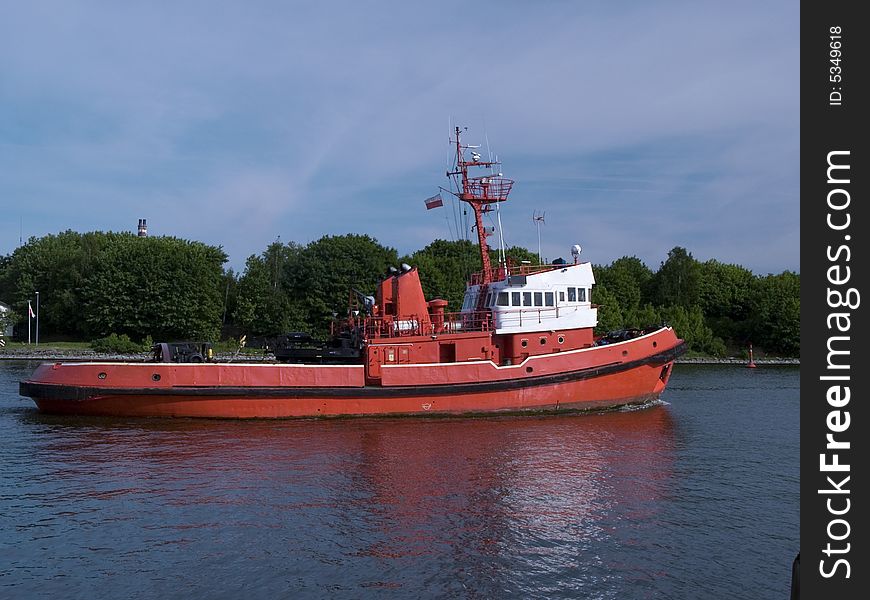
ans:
x=413 y=325
x=500 y=272
x=526 y=316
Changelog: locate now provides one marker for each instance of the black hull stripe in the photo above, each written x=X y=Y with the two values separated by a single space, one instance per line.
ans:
x=50 y=391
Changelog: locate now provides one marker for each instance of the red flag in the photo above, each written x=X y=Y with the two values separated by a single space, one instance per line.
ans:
x=434 y=202
x=30 y=310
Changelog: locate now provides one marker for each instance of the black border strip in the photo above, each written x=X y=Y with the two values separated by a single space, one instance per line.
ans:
x=835 y=72
x=50 y=391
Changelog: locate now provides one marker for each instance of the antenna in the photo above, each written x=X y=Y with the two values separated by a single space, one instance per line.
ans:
x=539 y=219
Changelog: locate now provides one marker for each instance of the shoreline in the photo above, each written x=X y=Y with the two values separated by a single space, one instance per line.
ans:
x=86 y=355
x=91 y=356
x=740 y=362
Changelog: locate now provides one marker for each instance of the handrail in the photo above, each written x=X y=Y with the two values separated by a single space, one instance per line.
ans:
x=505 y=318
x=413 y=325
x=500 y=272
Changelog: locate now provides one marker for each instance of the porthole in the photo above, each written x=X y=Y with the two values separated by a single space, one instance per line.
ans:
x=529 y=369
x=543 y=341
x=625 y=352
x=561 y=339
x=101 y=375
x=155 y=377
x=524 y=343
x=655 y=344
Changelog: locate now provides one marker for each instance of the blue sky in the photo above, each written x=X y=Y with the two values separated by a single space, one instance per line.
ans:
x=636 y=126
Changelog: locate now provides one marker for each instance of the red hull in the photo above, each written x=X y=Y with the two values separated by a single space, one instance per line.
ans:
x=630 y=372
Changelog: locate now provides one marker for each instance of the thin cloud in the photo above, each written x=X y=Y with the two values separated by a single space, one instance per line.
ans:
x=637 y=127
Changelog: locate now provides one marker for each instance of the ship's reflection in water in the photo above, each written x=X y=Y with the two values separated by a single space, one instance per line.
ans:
x=534 y=497
x=513 y=506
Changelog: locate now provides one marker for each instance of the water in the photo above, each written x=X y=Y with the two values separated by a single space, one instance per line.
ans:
x=694 y=498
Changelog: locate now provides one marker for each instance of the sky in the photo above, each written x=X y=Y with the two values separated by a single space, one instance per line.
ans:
x=635 y=126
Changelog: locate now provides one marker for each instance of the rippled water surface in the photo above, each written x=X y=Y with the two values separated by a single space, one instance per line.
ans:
x=694 y=498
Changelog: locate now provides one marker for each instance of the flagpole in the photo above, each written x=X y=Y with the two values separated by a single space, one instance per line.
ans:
x=37 y=318
x=29 y=312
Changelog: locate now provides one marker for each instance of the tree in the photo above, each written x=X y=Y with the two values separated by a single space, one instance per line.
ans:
x=445 y=268
x=678 y=281
x=725 y=295
x=230 y=285
x=610 y=316
x=164 y=287
x=690 y=326
x=54 y=266
x=627 y=279
x=97 y=283
x=264 y=305
x=329 y=268
x=517 y=255
x=775 y=319
x=644 y=316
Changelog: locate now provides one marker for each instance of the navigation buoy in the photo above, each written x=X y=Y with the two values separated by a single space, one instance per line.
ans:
x=751 y=364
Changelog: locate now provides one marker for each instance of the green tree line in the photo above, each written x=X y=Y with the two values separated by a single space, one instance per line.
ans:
x=95 y=284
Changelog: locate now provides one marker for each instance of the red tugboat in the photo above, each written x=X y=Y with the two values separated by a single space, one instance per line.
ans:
x=523 y=341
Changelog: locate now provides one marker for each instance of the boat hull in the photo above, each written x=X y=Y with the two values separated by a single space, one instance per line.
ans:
x=238 y=391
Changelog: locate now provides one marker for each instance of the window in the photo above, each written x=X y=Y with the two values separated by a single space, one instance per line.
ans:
x=572 y=295
x=527 y=298
x=503 y=299
x=515 y=298
x=581 y=294
x=561 y=296
x=539 y=298
x=548 y=299
x=488 y=299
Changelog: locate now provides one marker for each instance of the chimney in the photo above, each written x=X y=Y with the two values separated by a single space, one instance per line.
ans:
x=143 y=228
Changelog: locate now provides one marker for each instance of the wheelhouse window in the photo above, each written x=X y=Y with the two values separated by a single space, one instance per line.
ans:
x=527 y=298
x=503 y=299
x=561 y=296
x=539 y=298
x=572 y=294
x=549 y=299
x=515 y=299
x=581 y=294
x=488 y=299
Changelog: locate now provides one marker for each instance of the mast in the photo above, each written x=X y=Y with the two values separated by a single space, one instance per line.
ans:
x=480 y=192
